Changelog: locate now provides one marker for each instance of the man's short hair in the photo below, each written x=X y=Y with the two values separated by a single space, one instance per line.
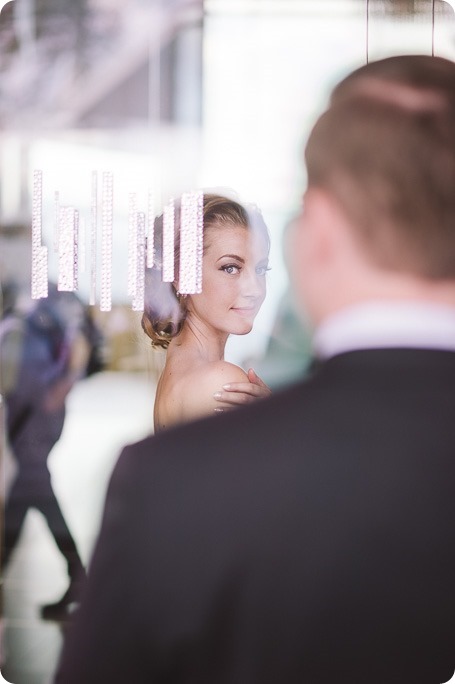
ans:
x=385 y=149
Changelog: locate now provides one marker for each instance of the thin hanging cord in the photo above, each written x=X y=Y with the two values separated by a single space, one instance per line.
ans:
x=368 y=27
x=432 y=30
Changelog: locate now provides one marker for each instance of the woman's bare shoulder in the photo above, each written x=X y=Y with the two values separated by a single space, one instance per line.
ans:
x=223 y=371
x=200 y=385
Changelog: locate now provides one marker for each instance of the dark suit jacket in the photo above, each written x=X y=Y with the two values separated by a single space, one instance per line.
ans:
x=309 y=538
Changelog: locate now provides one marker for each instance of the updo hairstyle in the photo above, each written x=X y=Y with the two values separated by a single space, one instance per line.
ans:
x=165 y=309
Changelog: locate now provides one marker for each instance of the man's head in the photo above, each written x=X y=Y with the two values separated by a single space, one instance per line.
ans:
x=381 y=174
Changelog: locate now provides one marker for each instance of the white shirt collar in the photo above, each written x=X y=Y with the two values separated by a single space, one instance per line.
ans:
x=381 y=324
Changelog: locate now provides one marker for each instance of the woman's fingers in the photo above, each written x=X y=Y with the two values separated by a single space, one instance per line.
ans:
x=241 y=393
x=256 y=380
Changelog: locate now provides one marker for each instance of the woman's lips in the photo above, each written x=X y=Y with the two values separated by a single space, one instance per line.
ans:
x=245 y=310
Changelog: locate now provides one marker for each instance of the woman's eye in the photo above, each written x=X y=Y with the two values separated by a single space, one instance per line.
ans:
x=262 y=270
x=230 y=269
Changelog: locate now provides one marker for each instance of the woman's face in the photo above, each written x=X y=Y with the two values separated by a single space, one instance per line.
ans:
x=233 y=279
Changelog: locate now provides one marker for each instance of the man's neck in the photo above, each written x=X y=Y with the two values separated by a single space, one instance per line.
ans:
x=386 y=324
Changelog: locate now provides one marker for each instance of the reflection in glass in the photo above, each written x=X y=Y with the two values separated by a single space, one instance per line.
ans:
x=168 y=98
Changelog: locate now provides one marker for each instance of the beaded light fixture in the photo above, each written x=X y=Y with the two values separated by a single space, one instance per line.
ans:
x=191 y=235
x=70 y=244
x=107 y=225
x=67 y=249
x=39 y=251
x=168 y=241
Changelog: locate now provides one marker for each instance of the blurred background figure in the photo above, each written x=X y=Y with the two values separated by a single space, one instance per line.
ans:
x=43 y=351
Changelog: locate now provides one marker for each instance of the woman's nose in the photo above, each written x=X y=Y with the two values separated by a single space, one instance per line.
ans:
x=253 y=285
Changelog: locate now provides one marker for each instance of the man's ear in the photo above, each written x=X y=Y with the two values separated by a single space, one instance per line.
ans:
x=325 y=224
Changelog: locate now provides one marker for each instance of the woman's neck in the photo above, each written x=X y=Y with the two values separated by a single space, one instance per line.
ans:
x=200 y=340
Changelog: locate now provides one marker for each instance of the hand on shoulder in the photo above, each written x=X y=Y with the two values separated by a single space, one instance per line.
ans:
x=218 y=375
x=207 y=383
x=242 y=391
x=218 y=387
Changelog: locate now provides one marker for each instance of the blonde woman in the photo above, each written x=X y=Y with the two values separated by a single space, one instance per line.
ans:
x=196 y=380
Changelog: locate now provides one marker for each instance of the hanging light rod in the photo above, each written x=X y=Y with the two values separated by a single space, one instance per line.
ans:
x=337 y=7
x=241 y=7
